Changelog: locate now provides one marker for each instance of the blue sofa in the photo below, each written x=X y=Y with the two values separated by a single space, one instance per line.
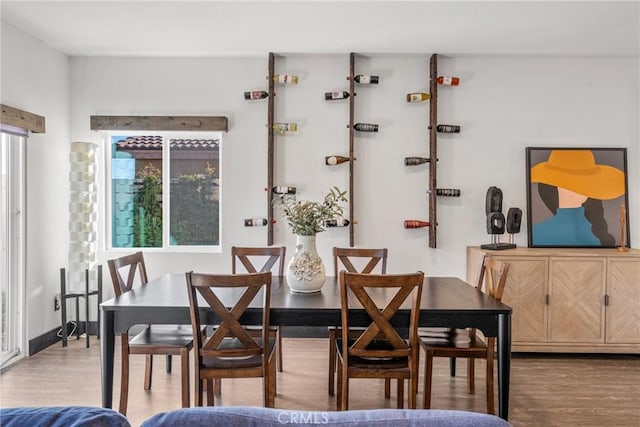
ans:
x=245 y=416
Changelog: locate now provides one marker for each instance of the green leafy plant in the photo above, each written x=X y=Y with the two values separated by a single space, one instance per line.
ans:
x=307 y=218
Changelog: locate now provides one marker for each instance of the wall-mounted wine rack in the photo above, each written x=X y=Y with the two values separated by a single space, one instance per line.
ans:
x=433 y=150
x=352 y=95
x=270 y=149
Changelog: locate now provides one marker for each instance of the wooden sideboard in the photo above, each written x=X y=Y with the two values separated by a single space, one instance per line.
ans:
x=570 y=300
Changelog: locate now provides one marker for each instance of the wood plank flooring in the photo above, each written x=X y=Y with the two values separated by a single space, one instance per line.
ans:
x=547 y=390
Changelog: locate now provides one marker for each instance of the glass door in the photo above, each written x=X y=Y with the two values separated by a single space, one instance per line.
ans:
x=12 y=245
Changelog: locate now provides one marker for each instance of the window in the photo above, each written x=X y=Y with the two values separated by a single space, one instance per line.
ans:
x=164 y=190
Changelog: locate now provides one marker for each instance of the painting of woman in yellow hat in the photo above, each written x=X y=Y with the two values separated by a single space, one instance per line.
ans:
x=575 y=197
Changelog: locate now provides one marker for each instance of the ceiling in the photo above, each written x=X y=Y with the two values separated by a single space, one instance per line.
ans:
x=250 y=28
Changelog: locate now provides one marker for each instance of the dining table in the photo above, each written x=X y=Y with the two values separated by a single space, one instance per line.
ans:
x=446 y=302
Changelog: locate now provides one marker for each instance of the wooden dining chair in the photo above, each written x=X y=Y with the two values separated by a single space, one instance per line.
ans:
x=379 y=351
x=273 y=255
x=153 y=339
x=366 y=261
x=231 y=351
x=491 y=280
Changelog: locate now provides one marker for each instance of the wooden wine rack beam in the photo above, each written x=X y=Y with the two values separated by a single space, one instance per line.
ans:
x=352 y=72
x=270 y=150
x=433 y=149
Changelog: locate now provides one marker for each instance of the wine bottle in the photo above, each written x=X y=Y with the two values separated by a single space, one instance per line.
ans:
x=285 y=127
x=415 y=161
x=328 y=96
x=256 y=94
x=343 y=222
x=278 y=189
x=364 y=79
x=286 y=79
x=416 y=223
x=255 y=222
x=447 y=192
x=417 y=97
x=448 y=81
x=448 y=128
x=365 y=127
x=335 y=160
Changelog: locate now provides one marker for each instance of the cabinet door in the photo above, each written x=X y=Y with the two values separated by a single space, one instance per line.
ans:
x=623 y=311
x=525 y=292
x=576 y=289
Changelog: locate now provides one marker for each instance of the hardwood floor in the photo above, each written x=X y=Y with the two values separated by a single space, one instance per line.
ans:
x=547 y=390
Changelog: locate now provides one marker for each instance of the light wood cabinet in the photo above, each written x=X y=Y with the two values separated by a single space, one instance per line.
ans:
x=570 y=300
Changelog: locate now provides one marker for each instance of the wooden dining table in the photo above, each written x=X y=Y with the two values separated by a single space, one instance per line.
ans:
x=446 y=302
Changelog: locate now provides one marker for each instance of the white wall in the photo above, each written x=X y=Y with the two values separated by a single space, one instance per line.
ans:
x=504 y=104
x=35 y=78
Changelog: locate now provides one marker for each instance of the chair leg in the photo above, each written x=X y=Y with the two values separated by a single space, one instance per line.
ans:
x=332 y=361
x=387 y=388
x=400 y=393
x=491 y=409
x=279 y=340
x=428 y=371
x=344 y=392
x=413 y=387
x=168 y=363
x=148 y=371
x=199 y=389
x=210 y=398
x=471 y=373
x=124 y=375
x=184 y=377
x=217 y=384
x=452 y=366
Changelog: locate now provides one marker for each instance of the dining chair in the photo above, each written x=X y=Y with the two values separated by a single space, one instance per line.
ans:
x=491 y=280
x=366 y=261
x=379 y=351
x=153 y=339
x=273 y=255
x=231 y=351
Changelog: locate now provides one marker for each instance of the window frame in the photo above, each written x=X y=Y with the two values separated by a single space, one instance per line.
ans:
x=166 y=186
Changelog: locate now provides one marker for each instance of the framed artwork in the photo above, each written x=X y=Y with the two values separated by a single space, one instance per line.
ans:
x=577 y=197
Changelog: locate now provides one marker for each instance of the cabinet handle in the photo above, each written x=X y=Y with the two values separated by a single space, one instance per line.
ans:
x=546 y=299
x=606 y=300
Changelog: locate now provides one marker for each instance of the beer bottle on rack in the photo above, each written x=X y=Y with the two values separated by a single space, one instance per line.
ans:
x=415 y=161
x=343 y=222
x=417 y=97
x=416 y=223
x=285 y=127
x=364 y=79
x=256 y=94
x=255 y=222
x=365 y=127
x=448 y=81
x=286 y=79
x=335 y=160
x=328 y=96
x=278 y=189
x=448 y=128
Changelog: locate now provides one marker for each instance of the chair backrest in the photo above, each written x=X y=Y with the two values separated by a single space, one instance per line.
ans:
x=274 y=254
x=369 y=287
x=128 y=264
x=345 y=255
x=493 y=277
x=213 y=286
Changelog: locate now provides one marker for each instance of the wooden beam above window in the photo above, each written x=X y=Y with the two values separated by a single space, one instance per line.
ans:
x=22 y=119
x=187 y=123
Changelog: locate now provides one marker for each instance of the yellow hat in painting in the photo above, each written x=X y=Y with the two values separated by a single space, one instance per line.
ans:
x=577 y=171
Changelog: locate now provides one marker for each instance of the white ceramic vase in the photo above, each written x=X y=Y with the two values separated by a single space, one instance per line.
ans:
x=305 y=271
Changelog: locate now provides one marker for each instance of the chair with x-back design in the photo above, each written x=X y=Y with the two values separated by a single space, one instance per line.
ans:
x=379 y=351
x=154 y=339
x=231 y=351
x=347 y=257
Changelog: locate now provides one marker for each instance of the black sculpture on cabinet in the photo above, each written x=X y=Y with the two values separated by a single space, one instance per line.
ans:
x=496 y=223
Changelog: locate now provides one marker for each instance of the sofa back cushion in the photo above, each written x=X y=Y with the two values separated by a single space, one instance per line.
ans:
x=236 y=416
x=62 y=416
